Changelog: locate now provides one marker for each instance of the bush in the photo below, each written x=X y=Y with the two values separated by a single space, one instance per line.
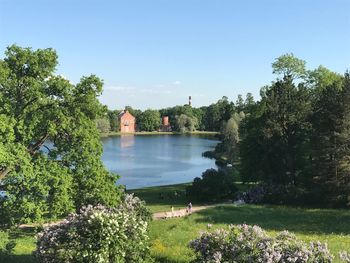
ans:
x=244 y=243
x=213 y=186
x=344 y=255
x=98 y=234
x=254 y=195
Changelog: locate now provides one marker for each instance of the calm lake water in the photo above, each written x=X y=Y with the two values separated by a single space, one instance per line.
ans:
x=149 y=160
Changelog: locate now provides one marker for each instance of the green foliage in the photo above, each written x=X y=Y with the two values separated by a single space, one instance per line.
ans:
x=231 y=136
x=103 y=125
x=49 y=145
x=149 y=120
x=297 y=138
x=278 y=136
x=185 y=123
x=289 y=66
x=322 y=77
x=217 y=114
x=213 y=186
x=113 y=117
x=330 y=143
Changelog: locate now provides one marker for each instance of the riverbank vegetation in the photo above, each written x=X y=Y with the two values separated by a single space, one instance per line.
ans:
x=182 y=118
x=160 y=133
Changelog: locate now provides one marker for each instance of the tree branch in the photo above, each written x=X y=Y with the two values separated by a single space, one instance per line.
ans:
x=4 y=172
x=33 y=148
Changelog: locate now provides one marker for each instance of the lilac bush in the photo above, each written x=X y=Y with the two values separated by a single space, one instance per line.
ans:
x=98 y=234
x=245 y=243
x=345 y=256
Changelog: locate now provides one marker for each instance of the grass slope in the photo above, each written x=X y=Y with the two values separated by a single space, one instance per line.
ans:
x=169 y=238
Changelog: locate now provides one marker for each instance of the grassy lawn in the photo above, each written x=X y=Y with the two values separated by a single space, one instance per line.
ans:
x=162 y=198
x=22 y=252
x=169 y=238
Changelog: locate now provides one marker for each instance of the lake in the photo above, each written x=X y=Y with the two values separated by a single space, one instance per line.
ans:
x=152 y=160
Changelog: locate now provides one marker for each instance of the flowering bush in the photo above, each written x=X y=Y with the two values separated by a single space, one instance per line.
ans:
x=98 y=234
x=344 y=255
x=244 y=243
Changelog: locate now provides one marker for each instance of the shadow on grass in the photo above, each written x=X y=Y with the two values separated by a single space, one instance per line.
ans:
x=164 y=195
x=166 y=260
x=277 y=218
x=4 y=257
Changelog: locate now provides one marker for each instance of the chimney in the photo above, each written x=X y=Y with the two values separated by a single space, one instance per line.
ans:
x=190 y=101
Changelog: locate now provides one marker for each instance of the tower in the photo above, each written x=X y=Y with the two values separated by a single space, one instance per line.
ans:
x=190 y=101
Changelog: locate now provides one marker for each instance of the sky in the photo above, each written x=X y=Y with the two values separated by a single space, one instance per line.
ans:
x=155 y=53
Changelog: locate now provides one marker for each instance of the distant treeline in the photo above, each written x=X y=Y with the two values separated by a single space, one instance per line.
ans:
x=182 y=118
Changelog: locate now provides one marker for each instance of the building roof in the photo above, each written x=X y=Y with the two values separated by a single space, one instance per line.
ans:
x=125 y=113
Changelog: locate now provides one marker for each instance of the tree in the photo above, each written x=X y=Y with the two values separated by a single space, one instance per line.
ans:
x=185 y=123
x=274 y=144
x=103 y=125
x=149 y=120
x=49 y=146
x=213 y=186
x=231 y=136
x=330 y=143
x=322 y=77
x=218 y=113
x=289 y=66
x=114 y=122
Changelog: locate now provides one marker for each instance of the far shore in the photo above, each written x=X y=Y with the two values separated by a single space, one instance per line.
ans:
x=158 y=133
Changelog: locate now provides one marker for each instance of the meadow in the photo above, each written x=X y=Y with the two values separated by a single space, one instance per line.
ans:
x=169 y=238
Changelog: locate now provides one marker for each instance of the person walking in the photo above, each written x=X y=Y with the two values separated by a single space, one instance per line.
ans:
x=189 y=207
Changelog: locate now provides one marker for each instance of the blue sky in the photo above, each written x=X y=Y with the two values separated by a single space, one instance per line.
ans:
x=155 y=53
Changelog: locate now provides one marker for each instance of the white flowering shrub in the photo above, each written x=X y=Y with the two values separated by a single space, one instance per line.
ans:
x=345 y=256
x=98 y=234
x=244 y=243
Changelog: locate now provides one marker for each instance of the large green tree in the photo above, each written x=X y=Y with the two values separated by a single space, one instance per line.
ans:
x=149 y=120
x=288 y=65
x=330 y=143
x=185 y=123
x=49 y=145
x=274 y=139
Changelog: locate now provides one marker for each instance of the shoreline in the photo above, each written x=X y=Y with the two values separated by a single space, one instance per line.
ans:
x=103 y=135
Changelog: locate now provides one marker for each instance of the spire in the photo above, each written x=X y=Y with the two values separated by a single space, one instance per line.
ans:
x=190 y=101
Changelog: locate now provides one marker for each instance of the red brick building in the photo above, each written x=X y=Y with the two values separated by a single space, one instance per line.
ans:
x=165 y=124
x=127 y=121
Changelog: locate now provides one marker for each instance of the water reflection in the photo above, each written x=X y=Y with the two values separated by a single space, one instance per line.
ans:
x=127 y=140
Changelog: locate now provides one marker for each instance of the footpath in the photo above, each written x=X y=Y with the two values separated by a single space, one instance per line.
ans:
x=156 y=216
x=183 y=212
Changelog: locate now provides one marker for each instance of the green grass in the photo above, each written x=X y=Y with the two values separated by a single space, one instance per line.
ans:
x=159 y=199
x=169 y=238
x=24 y=246
x=162 y=198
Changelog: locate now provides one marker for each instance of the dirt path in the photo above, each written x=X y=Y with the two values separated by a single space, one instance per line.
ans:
x=156 y=216
x=181 y=212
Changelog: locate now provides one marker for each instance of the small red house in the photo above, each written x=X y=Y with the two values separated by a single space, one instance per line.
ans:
x=165 y=124
x=127 y=121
